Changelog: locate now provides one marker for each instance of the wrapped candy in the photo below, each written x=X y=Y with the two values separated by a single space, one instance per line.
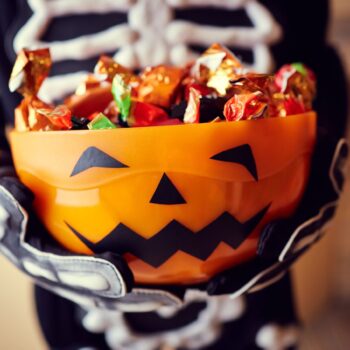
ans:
x=201 y=88
x=145 y=114
x=101 y=122
x=93 y=100
x=60 y=116
x=284 y=105
x=30 y=70
x=192 y=110
x=27 y=116
x=209 y=108
x=298 y=81
x=217 y=66
x=213 y=88
x=159 y=85
x=122 y=95
x=252 y=82
x=107 y=68
x=246 y=106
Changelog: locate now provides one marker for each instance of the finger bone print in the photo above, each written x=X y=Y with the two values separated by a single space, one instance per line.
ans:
x=151 y=36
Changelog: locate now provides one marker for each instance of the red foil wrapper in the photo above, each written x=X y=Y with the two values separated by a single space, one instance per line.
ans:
x=202 y=89
x=283 y=105
x=246 y=106
x=145 y=114
x=297 y=81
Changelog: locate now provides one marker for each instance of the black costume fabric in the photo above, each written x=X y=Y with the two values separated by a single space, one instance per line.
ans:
x=304 y=26
x=60 y=320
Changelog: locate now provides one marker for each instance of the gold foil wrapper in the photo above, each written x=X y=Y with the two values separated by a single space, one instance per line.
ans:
x=159 y=85
x=107 y=68
x=300 y=85
x=36 y=120
x=253 y=82
x=30 y=70
x=29 y=118
x=216 y=67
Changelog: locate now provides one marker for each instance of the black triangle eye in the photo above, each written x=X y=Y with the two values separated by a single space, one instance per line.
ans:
x=93 y=157
x=241 y=155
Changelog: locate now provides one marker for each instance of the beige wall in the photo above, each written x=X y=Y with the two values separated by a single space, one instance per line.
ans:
x=314 y=274
x=18 y=325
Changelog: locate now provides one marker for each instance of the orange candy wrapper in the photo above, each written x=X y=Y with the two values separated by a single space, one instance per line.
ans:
x=30 y=70
x=159 y=85
x=107 y=68
x=214 y=87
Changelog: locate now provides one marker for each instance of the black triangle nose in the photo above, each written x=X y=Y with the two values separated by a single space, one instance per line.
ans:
x=167 y=193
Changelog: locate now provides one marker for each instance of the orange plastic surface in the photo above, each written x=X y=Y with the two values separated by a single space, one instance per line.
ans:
x=96 y=200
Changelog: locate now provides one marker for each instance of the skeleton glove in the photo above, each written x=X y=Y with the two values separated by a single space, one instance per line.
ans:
x=88 y=280
x=282 y=242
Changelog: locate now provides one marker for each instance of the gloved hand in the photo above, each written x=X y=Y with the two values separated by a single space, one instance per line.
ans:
x=283 y=241
x=88 y=280
x=102 y=280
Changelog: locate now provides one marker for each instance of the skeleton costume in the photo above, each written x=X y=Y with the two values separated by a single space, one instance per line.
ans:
x=249 y=307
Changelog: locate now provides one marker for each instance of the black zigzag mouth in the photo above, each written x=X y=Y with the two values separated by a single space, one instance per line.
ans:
x=174 y=237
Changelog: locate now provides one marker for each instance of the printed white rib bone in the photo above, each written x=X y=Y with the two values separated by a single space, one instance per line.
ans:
x=204 y=330
x=150 y=37
x=228 y=4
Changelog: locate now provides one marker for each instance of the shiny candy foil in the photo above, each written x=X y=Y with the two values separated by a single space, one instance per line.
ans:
x=159 y=85
x=246 y=106
x=213 y=88
x=30 y=70
x=107 y=68
x=146 y=114
x=192 y=111
x=217 y=66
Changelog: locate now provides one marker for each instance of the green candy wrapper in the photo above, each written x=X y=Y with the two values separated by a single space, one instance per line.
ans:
x=122 y=96
x=101 y=122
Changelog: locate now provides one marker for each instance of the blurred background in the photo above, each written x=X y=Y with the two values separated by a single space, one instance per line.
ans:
x=322 y=283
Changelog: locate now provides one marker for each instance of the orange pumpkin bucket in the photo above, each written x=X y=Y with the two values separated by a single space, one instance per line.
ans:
x=180 y=203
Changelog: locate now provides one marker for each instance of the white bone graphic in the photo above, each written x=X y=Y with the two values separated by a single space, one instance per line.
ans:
x=201 y=332
x=150 y=37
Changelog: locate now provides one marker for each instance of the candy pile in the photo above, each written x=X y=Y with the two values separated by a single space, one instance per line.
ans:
x=215 y=87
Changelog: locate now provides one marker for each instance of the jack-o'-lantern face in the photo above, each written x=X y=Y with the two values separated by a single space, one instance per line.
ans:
x=181 y=203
